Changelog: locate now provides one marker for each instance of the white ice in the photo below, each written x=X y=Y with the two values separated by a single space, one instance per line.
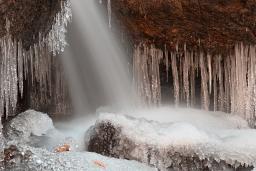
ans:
x=208 y=134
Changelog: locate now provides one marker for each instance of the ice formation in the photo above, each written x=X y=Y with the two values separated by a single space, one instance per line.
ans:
x=146 y=72
x=227 y=82
x=28 y=123
x=35 y=64
x=216 y=142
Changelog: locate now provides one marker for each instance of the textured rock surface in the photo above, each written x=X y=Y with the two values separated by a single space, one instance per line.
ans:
x=165 y=146
x=34 y=159
x=213 y=25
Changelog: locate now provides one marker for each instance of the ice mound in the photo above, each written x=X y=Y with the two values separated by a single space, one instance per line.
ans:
x=193 y=141
x=28 y=123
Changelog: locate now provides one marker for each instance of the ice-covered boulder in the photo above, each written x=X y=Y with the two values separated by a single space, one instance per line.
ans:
x=28 y=123
x=175 y=145
x=36 y=129
x=26 y=158
x=2 y=144
x=2 y=139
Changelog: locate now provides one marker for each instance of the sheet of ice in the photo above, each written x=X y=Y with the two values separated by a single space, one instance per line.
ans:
x=207 y=134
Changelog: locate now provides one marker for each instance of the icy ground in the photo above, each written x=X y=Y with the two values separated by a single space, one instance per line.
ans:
x=208 y=134
x=43 y=160
x=32 y=143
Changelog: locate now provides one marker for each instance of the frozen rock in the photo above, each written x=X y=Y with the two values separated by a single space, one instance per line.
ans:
x=175 y=145
x=2 y=145
x=36 y=129
x=35 y=159
x=27 y=124
x=2 y=139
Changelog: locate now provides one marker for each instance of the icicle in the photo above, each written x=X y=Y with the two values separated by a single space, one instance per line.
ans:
x=227 y=75
x=175 y=79
x=20 y=67
x=221 y=89
x=166 y=62
x=146 y=61
x=109 y=13
x=204 y=81
x=185 y=75
x=192 y=79
x=209 y=61
x=156 y=56
x=231 y=79
x=8 y=74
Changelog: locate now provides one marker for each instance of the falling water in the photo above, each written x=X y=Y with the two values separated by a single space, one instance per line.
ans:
x=94 y=61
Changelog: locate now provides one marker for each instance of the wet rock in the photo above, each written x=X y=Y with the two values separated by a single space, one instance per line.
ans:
x=28 y=18
x=215 y=26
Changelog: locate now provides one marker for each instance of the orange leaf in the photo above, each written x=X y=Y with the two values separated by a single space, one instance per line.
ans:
x=99 y=164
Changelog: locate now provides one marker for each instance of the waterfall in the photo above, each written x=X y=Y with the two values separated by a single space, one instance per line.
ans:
x=95 y=63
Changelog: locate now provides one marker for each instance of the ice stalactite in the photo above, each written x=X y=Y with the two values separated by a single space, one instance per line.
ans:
x=243 y=81
x=186 y=66
x=8 y=72
x=166 y=55
x=34 y=65
x=146 y=71
x=175 y=79
x=156 y=55
x=192 y=80
x=204 y=83
x=227 y=82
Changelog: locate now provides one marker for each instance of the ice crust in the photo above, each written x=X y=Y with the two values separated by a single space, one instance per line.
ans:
x=211 y=136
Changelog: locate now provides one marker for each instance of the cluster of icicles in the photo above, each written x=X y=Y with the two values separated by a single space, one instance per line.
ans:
x=228 y=83
x=35 y=64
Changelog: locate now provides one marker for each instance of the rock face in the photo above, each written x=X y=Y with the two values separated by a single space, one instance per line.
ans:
x=215 y=26
x=33 y=159
x=174 y=146
x=27 y=124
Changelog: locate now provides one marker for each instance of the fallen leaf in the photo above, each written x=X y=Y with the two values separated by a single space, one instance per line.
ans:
x=63 y=148
x=99 y=164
